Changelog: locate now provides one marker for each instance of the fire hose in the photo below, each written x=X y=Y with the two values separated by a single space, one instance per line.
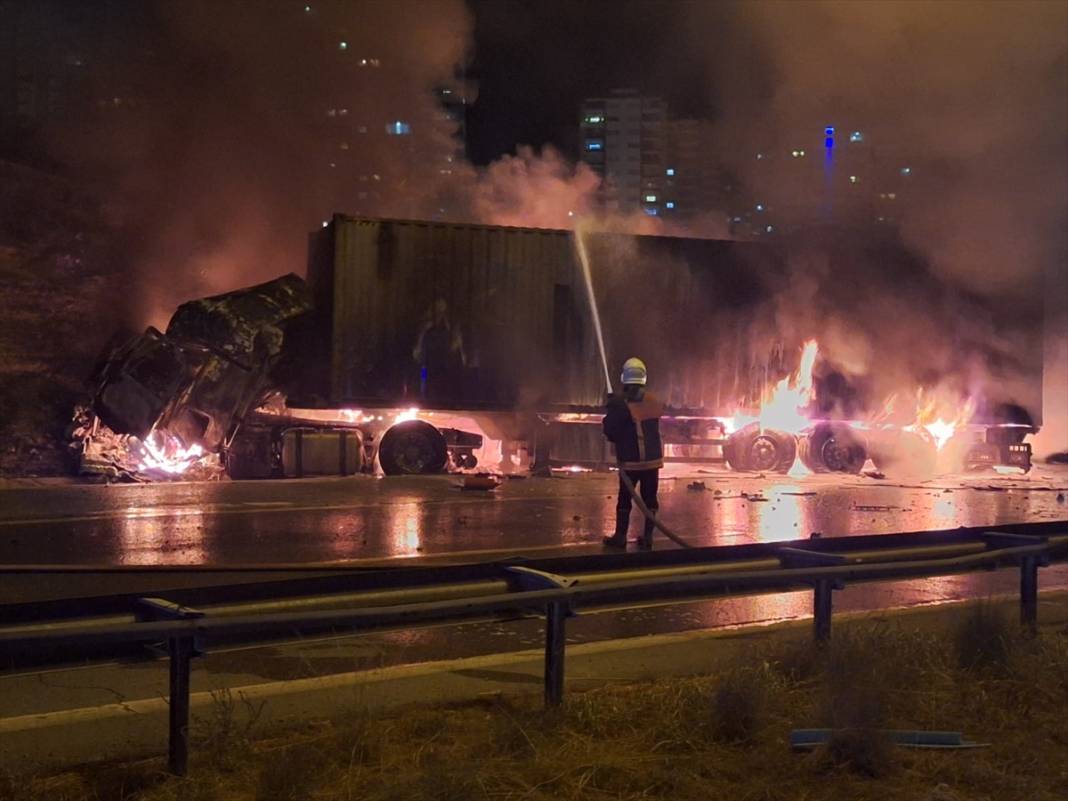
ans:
x=649 y=514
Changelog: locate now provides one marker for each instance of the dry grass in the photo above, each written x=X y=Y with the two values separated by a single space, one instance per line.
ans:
x=721 y=736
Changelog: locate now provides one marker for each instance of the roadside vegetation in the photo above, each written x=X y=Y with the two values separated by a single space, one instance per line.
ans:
x=724 y=736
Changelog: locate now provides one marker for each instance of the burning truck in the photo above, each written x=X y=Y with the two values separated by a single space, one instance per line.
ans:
x=421 y=347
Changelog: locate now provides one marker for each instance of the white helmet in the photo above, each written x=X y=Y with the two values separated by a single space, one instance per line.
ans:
x=634 y=372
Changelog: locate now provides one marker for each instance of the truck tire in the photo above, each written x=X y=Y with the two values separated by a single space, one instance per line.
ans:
x=832 y=448
x=752 y=449
x=413 y=447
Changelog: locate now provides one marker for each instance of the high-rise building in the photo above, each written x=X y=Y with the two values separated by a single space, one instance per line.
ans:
x=623 y=141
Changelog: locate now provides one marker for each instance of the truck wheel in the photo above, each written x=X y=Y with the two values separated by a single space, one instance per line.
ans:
x=832 y=448
x=413 y=447
x=760 y=450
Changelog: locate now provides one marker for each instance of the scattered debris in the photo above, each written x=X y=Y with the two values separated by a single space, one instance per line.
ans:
x=799 y=494
x=481 y=482
x=815 y=535
x=754 y=497
x=1060 y=497
x=874 y=474
x=696 y=486
x=857 y=507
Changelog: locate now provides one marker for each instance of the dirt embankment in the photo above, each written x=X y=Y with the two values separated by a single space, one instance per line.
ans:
x=59 y=278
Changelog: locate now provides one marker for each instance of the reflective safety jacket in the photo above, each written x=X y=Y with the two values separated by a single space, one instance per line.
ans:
x=634 y=428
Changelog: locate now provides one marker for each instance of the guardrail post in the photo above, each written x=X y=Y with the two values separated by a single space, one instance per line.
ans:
x=555 y=617
x=556 y=613
x=181 y=651
x=822 y=609
x=1029 y=593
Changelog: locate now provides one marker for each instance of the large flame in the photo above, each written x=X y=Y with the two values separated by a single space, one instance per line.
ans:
x=784 y=408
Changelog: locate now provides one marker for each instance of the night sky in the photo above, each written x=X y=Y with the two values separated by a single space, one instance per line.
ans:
x=534 y=62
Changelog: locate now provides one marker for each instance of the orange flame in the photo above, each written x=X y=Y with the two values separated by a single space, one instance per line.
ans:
x=784 y=409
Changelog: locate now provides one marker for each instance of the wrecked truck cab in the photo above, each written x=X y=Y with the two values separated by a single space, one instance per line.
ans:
x=196 y=382
x=136 y=382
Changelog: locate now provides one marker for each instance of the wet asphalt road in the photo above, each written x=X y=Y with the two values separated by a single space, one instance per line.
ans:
x=366 y=520
x=230 y=523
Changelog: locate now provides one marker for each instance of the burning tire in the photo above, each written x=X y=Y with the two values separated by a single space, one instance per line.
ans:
x=832 y=448
x=413 y=447
x=900 y=451
x=760 y=450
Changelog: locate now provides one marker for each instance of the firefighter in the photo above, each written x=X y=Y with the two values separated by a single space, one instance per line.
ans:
x=632 y=425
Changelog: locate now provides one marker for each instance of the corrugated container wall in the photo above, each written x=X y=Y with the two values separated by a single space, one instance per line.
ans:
x=469 y=316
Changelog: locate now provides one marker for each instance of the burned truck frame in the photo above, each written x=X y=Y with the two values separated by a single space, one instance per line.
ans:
x=484 y=327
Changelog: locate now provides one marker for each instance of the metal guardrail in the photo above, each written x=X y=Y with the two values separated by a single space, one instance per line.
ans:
x=189 y=632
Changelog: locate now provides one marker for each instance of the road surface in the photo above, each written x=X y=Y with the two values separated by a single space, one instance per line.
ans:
x=371 y=520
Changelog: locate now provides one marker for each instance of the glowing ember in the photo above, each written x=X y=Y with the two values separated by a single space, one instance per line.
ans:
x=573 y=468
x=165 y=453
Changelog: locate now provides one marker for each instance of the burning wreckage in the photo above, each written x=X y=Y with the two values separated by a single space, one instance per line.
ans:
x=400 y=351
x=169 y=403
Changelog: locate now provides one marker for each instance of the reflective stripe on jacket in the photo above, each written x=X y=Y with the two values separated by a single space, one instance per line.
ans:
x=634 y=428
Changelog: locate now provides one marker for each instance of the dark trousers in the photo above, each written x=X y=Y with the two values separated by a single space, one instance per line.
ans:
x=646 y=482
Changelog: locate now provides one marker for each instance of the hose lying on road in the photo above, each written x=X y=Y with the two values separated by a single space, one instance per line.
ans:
x=649 y=515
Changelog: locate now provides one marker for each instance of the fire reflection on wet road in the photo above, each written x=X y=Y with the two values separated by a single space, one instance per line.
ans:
x=403 y=518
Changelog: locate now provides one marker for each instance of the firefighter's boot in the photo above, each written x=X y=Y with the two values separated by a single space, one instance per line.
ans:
x=619 y=538
x=646 y=541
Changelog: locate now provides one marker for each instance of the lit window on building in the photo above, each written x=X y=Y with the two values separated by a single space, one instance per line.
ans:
x=650 y=198
x=652 y=211
x=797 y=154
x=891 y=195
x=760 y=156
x=307 y=10
x=594 y=144
x=343 y=112
x=856 y=136
x=770 y=229
x=669 y=171
x=331 y=112
x=670 y=204
x=398 y=128
x=594 y=119
x=342 y=45
x=376 y=62
x=362 y=129
x=760 y=207
x=906 y=170
x=344 y=145
x=363 y=62
x=853 y=179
